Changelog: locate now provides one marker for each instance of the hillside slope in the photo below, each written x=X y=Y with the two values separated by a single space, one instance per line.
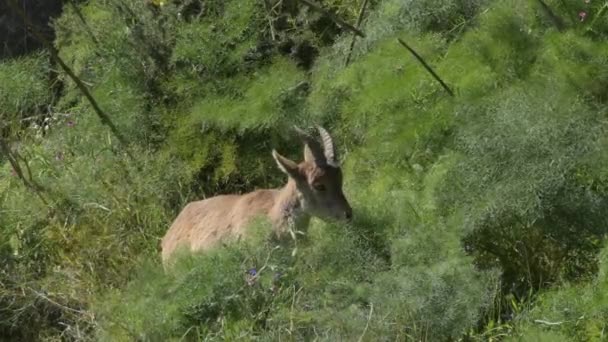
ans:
x=478 y=216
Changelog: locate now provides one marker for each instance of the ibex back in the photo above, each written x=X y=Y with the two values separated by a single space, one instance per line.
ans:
x=314 y=188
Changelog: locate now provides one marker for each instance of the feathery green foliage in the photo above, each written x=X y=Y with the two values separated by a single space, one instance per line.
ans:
x=477 y=216
x=24 y=87
x=574 y=312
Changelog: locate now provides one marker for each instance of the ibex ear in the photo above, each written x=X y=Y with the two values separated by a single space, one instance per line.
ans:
x=286 y=165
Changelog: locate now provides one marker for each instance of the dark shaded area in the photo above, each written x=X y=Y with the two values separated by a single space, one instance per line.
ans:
x=14 y=35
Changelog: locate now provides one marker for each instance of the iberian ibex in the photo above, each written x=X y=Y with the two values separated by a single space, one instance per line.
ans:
x=314 y=188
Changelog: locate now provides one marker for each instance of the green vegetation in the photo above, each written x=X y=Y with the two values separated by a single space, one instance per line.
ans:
x=477 y=217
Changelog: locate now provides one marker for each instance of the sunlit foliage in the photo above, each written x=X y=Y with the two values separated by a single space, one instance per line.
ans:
x=476 y=216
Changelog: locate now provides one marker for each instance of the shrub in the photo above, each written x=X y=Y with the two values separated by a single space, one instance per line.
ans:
x=573 y=312
x=462 y=204
x=24 y=89
x=527 y=155
x=446 y=17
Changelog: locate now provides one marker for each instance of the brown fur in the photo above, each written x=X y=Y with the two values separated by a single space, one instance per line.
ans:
x=312 y=190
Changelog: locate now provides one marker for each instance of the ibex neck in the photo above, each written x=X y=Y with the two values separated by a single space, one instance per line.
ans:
x=288 y=211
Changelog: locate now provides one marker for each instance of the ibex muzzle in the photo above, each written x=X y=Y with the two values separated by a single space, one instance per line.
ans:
x=314 y=188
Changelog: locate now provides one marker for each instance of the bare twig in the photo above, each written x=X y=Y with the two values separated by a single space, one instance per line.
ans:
x=369 y=318
x=293 y=304
x=96 y=205
x=84 y=22
x=359 y=20
x=598 y=15
x=38 y=116
x=186 y=333
x=105 y=119
x=66 y=308
x=277 y=5
x=13 y=159
x=427 y=67
x=333 y=17
x=540 y=321
x=269 y=16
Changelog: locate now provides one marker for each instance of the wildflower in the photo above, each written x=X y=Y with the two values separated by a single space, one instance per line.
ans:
x=582 y=15
x=251 y=276
x=70 y=123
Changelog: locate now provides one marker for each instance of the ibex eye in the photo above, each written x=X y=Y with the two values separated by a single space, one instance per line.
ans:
x=319 y=187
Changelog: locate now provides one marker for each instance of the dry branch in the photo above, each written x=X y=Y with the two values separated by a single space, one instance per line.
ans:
x=426 y=66
x=359 y=20
x=105 y=119
x=369 y=318
x=13 y=159
x=540 y=321
x=84 y=22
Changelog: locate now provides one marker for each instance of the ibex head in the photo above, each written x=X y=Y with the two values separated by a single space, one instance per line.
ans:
x=318 y=178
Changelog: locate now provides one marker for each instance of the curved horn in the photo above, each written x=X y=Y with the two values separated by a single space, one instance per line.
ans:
x=328 y=145
x=312 y=147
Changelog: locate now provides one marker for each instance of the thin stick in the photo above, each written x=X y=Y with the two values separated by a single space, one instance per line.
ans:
x=598 y=15
x=84 y=22
x=293 y=304
x=427 y=67
x=359 y=20
x=269 y=15
x=540 y=321
x=369 y=317
x=333 y=17
x=61 y=306
x=186 y=333
x=29 y=183
x=105 y=119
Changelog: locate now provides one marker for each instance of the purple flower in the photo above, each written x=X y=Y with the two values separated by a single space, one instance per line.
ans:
x=251 y=276
x=582 y=15
x=70 y=123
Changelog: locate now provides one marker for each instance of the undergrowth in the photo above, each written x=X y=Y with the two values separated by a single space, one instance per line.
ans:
x=477 y=217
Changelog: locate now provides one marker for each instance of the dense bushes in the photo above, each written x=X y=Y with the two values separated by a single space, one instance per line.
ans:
x=25 y=89
x=573 y=312
x=476 y=215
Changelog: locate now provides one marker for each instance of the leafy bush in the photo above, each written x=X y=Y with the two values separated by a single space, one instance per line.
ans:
x=527 y=155
x=336 y=285
x=573 y=312
x=24 y=87
x=470 y=211
x=446 y=17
